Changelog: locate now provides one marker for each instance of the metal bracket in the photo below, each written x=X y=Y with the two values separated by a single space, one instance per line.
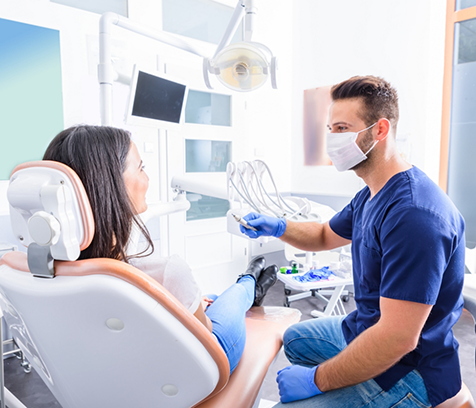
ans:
x=40 y=261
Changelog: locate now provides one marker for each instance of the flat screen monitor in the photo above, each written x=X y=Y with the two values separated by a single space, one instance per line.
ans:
x=156 y=100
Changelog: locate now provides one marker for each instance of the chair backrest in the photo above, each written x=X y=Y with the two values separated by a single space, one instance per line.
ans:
x=101 y=333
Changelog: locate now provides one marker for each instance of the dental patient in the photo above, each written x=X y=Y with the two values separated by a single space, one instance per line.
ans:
x=109 y=165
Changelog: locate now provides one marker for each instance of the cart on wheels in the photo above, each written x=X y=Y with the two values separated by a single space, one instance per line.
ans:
x=331 y=291
x=334 y=289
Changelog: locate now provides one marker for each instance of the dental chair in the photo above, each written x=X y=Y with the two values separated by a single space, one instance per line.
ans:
x=101 y=333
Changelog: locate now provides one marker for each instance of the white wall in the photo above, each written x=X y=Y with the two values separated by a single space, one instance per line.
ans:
x=401 y=41
x=269 y=130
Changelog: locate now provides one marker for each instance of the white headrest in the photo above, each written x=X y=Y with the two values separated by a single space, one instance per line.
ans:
x=49 y=206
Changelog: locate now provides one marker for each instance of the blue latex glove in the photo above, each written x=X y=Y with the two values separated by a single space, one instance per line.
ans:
x=296 y=383
x=265 y=225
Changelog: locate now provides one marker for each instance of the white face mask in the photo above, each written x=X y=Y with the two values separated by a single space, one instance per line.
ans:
x=344 y=151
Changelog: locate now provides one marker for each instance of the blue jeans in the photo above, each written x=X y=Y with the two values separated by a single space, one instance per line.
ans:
x=227 y=313
x=312 y=342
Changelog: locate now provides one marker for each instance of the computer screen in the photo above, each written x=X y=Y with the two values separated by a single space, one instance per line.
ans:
x=156 y=100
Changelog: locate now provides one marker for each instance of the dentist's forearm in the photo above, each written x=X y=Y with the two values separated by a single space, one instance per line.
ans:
x=378 y=348
x=368 y=356
x=307 y=236
x=312 y=236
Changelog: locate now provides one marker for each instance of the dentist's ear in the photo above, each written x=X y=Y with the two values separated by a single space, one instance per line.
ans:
x=383 y=129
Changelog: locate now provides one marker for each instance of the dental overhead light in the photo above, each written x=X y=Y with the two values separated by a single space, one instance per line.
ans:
x=243 y=66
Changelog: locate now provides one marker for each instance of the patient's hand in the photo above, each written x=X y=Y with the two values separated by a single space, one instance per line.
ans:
x=206 y=302
x=200 y=313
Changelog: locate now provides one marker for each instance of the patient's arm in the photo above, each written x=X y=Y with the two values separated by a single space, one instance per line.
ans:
x=200 y=315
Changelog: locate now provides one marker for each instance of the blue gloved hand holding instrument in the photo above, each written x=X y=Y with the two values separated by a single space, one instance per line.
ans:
x=296 y=383
x=264 y=224
x=242 y=222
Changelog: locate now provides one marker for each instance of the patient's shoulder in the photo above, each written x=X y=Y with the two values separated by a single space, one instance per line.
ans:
x=152 y=264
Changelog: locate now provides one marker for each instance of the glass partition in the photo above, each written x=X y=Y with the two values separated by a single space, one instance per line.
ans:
x=204 y=207
x=461 y=161
x=465 y=42
x=462 y=4
x=205 y=108
x=97 y=6
x=206 y=156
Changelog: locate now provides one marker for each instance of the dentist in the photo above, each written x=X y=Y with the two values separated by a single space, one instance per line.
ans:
x=397 y=347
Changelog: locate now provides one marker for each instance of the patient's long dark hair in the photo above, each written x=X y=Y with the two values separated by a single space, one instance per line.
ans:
x=98 y=155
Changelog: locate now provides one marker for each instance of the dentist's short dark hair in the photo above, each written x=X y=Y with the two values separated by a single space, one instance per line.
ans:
x=379 y=98
x=98 y=156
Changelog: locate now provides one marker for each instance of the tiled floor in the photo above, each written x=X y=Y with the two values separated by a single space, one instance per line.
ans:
x=30 y=389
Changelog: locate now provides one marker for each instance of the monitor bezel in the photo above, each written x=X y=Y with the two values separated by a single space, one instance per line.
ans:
x=149 y=122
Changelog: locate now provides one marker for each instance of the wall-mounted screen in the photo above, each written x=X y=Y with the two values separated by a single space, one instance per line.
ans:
x=156 y=100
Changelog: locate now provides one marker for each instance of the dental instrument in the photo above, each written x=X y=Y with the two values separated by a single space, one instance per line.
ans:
x=243 y=222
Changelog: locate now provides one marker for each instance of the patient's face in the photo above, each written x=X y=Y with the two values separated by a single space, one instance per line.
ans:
x=135 y=179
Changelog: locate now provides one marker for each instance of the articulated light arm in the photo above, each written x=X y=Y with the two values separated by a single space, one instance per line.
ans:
x=232 y=26
x=215 y=188
x=154 y=211
x=249 y=19
x=106 y=72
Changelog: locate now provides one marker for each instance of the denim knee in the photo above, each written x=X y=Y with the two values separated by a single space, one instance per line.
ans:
x=298 y=347
x=290 y=334
x=312 y=342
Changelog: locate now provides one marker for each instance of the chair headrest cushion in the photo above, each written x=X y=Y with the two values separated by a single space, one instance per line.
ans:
x=47 y=197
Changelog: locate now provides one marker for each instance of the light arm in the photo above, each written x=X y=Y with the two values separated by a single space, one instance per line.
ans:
x=249 y=19
x=243 y=8
x=232 y=26
x=179 y=204
x=195 y=184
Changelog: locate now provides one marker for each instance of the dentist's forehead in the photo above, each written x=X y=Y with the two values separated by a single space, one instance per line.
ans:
x=345 y=112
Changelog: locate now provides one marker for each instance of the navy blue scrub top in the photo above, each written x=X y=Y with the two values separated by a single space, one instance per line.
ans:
x=408 y=244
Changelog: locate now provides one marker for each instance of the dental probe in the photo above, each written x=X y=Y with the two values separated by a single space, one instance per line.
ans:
x=243 y=222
